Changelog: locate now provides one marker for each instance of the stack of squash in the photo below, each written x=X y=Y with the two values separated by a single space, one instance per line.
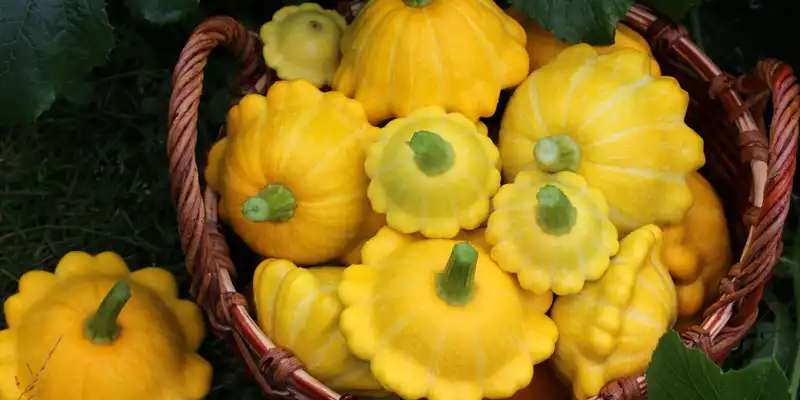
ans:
x=407 y=253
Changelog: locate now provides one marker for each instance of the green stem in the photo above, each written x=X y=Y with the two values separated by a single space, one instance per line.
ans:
x=555 y=214
x=557 y=153
x=273 y=203
x=456 y=284
x=432 y=154
x=101 y=328
x=417 y=3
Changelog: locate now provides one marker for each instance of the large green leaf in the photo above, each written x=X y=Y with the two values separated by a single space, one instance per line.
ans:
x=161 y=11
x=587 y=21
x=45 y=44
x=677 y=372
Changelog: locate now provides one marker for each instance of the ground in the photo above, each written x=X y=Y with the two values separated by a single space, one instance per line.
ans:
x=92 y=174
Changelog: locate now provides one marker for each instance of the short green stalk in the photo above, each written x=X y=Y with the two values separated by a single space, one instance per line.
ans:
x=432 y=154
x=417 y=3
x=102 y=328
x=456 y=285
x=274 y=203
x=557 y=153
x=555 y=214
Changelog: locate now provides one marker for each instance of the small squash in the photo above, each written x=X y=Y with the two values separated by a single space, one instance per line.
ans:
x=291 y=172
x=298 y=308
x=697 y=250
x=552 y=231
x=413 y=310
x=610 y=329
x=302 y=42
x=543 y=46
x=606 y=118
x=432 y=172
x=94 y=324
x=401 y=55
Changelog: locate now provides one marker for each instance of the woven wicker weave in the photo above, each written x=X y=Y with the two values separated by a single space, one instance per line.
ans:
x=752 y=172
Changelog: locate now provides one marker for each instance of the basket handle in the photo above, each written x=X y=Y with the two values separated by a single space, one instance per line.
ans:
x=187 y=86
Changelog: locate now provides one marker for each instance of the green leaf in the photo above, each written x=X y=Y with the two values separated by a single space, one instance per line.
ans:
x=79 y=92
x=677 y=372
x=776 y=339
x=43 y=45
x=577 y=21
x=675 y=10
x=161 y=11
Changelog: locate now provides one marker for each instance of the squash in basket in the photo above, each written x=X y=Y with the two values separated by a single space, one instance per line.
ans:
x=401 y=55
x=413 y=310
x=290 y=173
x=610 y=329
x=298 y=308
x=552 y=231
x=697 y=250
x=543 y=46
x=433 y=173
x=606 y=118
x=94 y=324
x=302 y=42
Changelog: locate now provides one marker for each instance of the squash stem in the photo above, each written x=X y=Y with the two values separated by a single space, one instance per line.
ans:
x=456 y=284
x=557 y=153
x=102 y=328
x=417 y=3
x=273 y=203
x=432 y=154
x=555 y=214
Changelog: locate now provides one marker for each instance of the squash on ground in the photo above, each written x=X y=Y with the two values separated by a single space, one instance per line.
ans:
x=401 y=55
x=610 y=329
x=291 y=172
x=552 y=231
x=433 y=173
x=697 y=250
x=302 y=42
x=607 y=119
x=298 y=309
x=413 y=311
x=94 y=324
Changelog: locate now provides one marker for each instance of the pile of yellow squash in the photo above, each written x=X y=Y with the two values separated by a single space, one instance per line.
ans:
x=407 y=253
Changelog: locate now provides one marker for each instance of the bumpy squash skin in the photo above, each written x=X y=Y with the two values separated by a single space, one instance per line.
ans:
x=421 y=346
x=456 y=54
x=610 y=329
x=437 y=206
x=541 y=260
x=313 y=144
x=302 y=42
x=627 y=128
x=697 y=250
x=154 y=359
x=543 y=46
x=299 y=309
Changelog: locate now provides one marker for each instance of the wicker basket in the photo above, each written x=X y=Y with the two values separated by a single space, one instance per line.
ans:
x=752 y=173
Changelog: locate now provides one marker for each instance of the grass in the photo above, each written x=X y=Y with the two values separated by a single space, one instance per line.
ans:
x=92 y=174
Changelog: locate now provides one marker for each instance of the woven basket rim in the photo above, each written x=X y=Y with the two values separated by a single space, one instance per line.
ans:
x=772 y=165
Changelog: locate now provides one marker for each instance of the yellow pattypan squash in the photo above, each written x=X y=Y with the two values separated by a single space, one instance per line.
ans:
x=401 y=55
x=552 y=231
x=606 y=118
x=697 y=251
x=543 y=46
x=437 y=318
x=291 y=172
x=302 y=42
x=433 y=172
x=298 y=308
x=94 y=324
x=610 y=329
